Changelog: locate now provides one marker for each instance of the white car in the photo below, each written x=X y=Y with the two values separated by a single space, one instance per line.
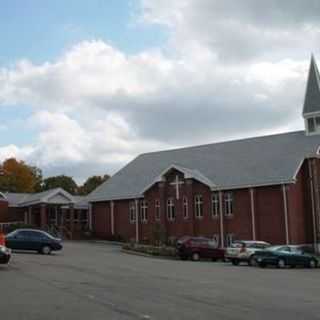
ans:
x=243 y=251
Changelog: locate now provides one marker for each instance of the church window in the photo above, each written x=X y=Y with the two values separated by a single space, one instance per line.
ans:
x=157 y=207
x=311 y=125
x=228 y=203
x=144 y=211
x=198 y=206
x=171 y=214
x=132 y=212
x=229 y=239
x=215 y=207
x=185 y=208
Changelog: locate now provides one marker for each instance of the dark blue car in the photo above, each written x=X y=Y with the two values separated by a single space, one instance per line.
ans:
x=283 y=256
x=35 y=240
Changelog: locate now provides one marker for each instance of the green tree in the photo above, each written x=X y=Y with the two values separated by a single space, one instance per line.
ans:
x=92 y=183
x=17 y=176
x=62 y=181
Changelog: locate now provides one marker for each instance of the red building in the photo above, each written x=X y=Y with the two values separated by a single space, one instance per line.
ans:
x=262 y=188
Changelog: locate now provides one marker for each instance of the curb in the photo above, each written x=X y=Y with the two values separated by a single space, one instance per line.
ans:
x=146 y=255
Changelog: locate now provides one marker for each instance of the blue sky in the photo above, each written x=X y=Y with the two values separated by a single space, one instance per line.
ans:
x=86 y=86
x=41 y=30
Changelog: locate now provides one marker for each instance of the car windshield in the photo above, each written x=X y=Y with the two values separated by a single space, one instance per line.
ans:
x=279 y=248
x=248 y=244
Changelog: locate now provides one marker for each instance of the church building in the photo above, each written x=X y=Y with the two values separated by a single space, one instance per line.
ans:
x=261 y=188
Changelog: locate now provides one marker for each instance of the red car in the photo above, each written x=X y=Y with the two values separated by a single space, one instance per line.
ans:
x=197 y=248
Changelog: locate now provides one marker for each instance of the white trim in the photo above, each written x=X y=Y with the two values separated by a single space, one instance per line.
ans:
x=132 y=210
x=157 y=206
x=215 y=204
x=185 y=208
x=198 y=206
x=221 y=220
x=3 y=197
x=171 y=213
x=188 y=174
x=144 y=211
x=253 y=218
x=285 y=207
x=112 y=216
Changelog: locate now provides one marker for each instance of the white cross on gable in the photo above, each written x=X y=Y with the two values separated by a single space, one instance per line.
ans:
x=177 y=183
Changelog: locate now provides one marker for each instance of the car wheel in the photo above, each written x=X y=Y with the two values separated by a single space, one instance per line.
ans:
x=252 y=261
x=313 y=263
x=46 y=250
x=195 y=256
x=281 y=263
x=235 y=262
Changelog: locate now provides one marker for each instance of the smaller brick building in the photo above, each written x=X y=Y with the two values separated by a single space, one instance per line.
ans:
x=55 y=210
x=261 y=188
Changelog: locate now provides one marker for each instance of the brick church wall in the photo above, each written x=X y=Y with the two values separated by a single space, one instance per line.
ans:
x=268 y=205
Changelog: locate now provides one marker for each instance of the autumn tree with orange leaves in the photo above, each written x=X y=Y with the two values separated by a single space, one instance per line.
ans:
x=17 y=176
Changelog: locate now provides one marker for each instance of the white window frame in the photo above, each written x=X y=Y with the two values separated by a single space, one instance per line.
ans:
x=229 y=239
x=171 y=213
x=157 y=210
x=215 y=205
x=198 y=204
x=144 y=211
x=132 y=212
x=185 y=208
x=228 y=204
x=316 y=126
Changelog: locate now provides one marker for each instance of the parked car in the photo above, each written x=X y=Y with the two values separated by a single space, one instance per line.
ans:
x=283 y=256
x=243 y=251
x=31 y=239
x=5 y=255
x=196 y=248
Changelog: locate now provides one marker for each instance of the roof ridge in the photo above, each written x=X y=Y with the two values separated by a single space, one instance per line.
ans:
x=223 y=142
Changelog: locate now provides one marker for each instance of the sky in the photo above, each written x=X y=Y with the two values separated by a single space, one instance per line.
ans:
x=86 y=86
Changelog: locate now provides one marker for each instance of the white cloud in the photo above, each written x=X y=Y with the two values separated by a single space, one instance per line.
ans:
x=227 y=70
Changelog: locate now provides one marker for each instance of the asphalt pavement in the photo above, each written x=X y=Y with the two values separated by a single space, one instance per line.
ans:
x=97 y=281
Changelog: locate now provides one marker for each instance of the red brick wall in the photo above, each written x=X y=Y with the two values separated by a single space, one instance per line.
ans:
x=298 y=209
x=122 y=225
x=101 y=219
x=4 y=212
x=270 y=224
x=240 y=223
x=268 y=204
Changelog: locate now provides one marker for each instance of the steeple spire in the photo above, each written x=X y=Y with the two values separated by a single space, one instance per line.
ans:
x=312 y=98
x=311 y=107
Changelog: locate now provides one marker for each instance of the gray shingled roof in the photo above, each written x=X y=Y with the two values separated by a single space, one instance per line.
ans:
x=15 y=198
x=257 y=161
x=312 y=97
x=21 y=199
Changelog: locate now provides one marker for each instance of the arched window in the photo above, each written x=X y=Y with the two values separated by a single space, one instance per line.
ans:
x=157 y=207
x=228 y=204
x=198 y=206
x=171 y=214
x=144 y=211
x=215 y=207
x=185 y=207
x=132 y=212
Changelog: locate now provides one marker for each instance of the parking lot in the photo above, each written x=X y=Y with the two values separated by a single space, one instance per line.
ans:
x=98 y=281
